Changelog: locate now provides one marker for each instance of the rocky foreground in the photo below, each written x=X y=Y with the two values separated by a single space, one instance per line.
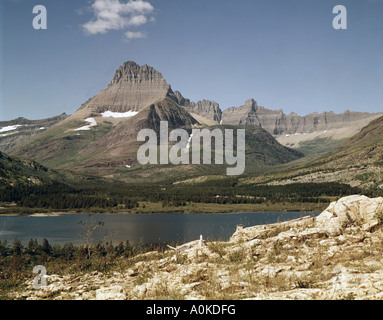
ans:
x=337 y=255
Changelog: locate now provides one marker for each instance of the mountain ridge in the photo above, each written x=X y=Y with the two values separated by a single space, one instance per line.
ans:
x=102 y=133
x=278 y=123
x=18 y=131
x=135 y=87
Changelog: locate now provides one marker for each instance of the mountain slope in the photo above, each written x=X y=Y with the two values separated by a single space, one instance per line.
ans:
x=23 y=172
x=357 y=161
x=119 y=147
x=261 y=152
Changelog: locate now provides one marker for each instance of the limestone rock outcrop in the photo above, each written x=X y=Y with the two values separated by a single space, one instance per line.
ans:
x=350 y=210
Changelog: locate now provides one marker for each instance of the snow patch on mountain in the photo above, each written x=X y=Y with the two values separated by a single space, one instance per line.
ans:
x=92 y=123
x=110 y=114
x=10 y=128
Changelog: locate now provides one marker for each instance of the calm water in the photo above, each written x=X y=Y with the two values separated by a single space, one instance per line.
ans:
x=142 y=228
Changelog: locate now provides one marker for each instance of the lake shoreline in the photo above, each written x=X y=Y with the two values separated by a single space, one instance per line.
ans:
x=57 y=214
x=194 y=208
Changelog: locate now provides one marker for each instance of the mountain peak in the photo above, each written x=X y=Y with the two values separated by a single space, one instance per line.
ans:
x=131 y=71
x=205 y=108
x=133 y=88
x=251 y=102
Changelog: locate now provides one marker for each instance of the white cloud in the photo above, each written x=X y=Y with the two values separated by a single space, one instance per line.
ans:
x=135 y=35
x=138 y=20
x=115 y=15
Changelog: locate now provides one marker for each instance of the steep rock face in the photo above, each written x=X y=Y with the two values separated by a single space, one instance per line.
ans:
x=205 y=108
x=294 y=123
x=133 y=88
x=278 y=123
x=252 y=114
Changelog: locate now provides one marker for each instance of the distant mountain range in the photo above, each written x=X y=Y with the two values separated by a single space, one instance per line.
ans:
x=100 y=138
x=18 y=131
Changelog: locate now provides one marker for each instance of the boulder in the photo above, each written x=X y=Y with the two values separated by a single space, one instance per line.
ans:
x=356 y=209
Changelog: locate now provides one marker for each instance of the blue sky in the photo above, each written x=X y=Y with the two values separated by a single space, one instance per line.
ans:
x=283 y=53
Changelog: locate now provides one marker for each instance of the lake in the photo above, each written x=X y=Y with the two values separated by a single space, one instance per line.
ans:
x=137 y=228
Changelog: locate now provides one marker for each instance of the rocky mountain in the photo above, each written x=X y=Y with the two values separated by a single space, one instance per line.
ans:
x=133 y=88
x=204 y=108
x=20 y=130
x=278 y=123
x=121 y=142
x=251 y=114
x=312 y=133
x=101 y=136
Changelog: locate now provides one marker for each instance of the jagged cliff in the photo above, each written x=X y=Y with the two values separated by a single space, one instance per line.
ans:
x=278 y=123
x=251 y=114
x=204 y=108
x=311 y=134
